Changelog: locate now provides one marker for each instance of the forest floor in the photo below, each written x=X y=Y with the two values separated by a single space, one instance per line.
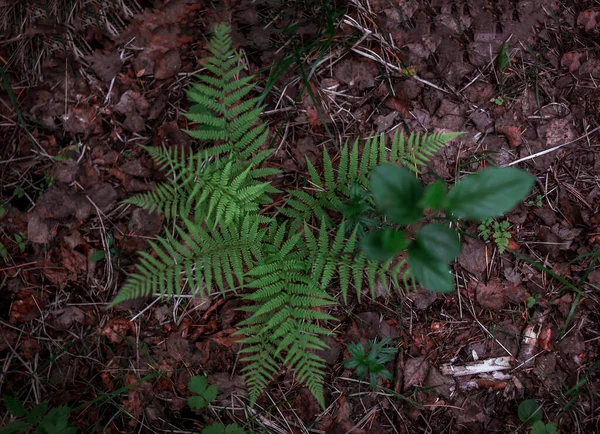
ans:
x=82 y=90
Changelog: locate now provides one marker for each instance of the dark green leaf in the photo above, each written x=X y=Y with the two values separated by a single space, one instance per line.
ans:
x=429 y=272
x=234 y=428
x=197 y=402
x=210 y=393
x=397 y=193
x=219 y=428
x=56 y=422
x=16 y=427
x=37 y=412
x=503 y=57
x=98 y=255
x=439 y=241
x=215 y=428
x=530 y=411
x=433 y=196
x=198 y=384
x=383 y=244
x=14 y=406
x=543 y=428
x=489 y=193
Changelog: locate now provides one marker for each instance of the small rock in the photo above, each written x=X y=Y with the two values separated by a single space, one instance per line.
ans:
x=450 y=122
x=590 y=68
x=228 y=386
x=38 y=230
x=360 y=74
x=572 y=344
x=479 y=93
x=65 y=171
x=143 y=64
x=134 y=123
x=482 y=121
x=559 y=131
x=106 y=66
x=332 y=354
x=533 y=147
x=588 y=19
x=546 y=213
x=384 y=123
x=447 y=107
x=551 y=243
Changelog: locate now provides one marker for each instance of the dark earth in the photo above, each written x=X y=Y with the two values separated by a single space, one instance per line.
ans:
x=85 y=83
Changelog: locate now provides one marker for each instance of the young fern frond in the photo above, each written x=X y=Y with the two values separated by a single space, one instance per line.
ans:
x=286 y=303
x=219 y=110
x=215 y=190
x=338 y=255
x=196 y=259
x=334 y=189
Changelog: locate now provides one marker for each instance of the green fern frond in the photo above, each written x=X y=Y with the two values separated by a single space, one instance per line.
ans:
x=167 y=198
x=196 y=258
x=338 y=256
x=328 y=193
x=286 y=301
x=219 y=109
x=216 y=190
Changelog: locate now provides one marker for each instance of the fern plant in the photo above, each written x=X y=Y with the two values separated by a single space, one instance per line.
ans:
x=335 y=191
x=282 y=266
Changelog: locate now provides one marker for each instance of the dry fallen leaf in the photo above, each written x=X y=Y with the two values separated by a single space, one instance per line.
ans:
x=27 y=307
x=415 y=372
x=588 y=19
x=491 y=295
x=572 y=60
x=513 y=135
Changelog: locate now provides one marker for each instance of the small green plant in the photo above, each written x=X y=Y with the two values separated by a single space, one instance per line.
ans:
x=40 y=418
x=543 y=428
x=219 y=428
x=530 y=412
x=537 y=202
x=204 y=394
x=99 y=255
x=403 y=200
x=498 y=230
x=21 y=240
x=371 y=362
x=499 y=100
x=532 y=300
x=223 y=235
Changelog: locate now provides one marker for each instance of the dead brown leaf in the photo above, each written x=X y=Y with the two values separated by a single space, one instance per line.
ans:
x=588 y=19
x=491 y=295
x=513 y=135
x=117 y=329
x=415 y=372
x=63 y=318
x=29 y=348
x=27 y=307
x=572 y=60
